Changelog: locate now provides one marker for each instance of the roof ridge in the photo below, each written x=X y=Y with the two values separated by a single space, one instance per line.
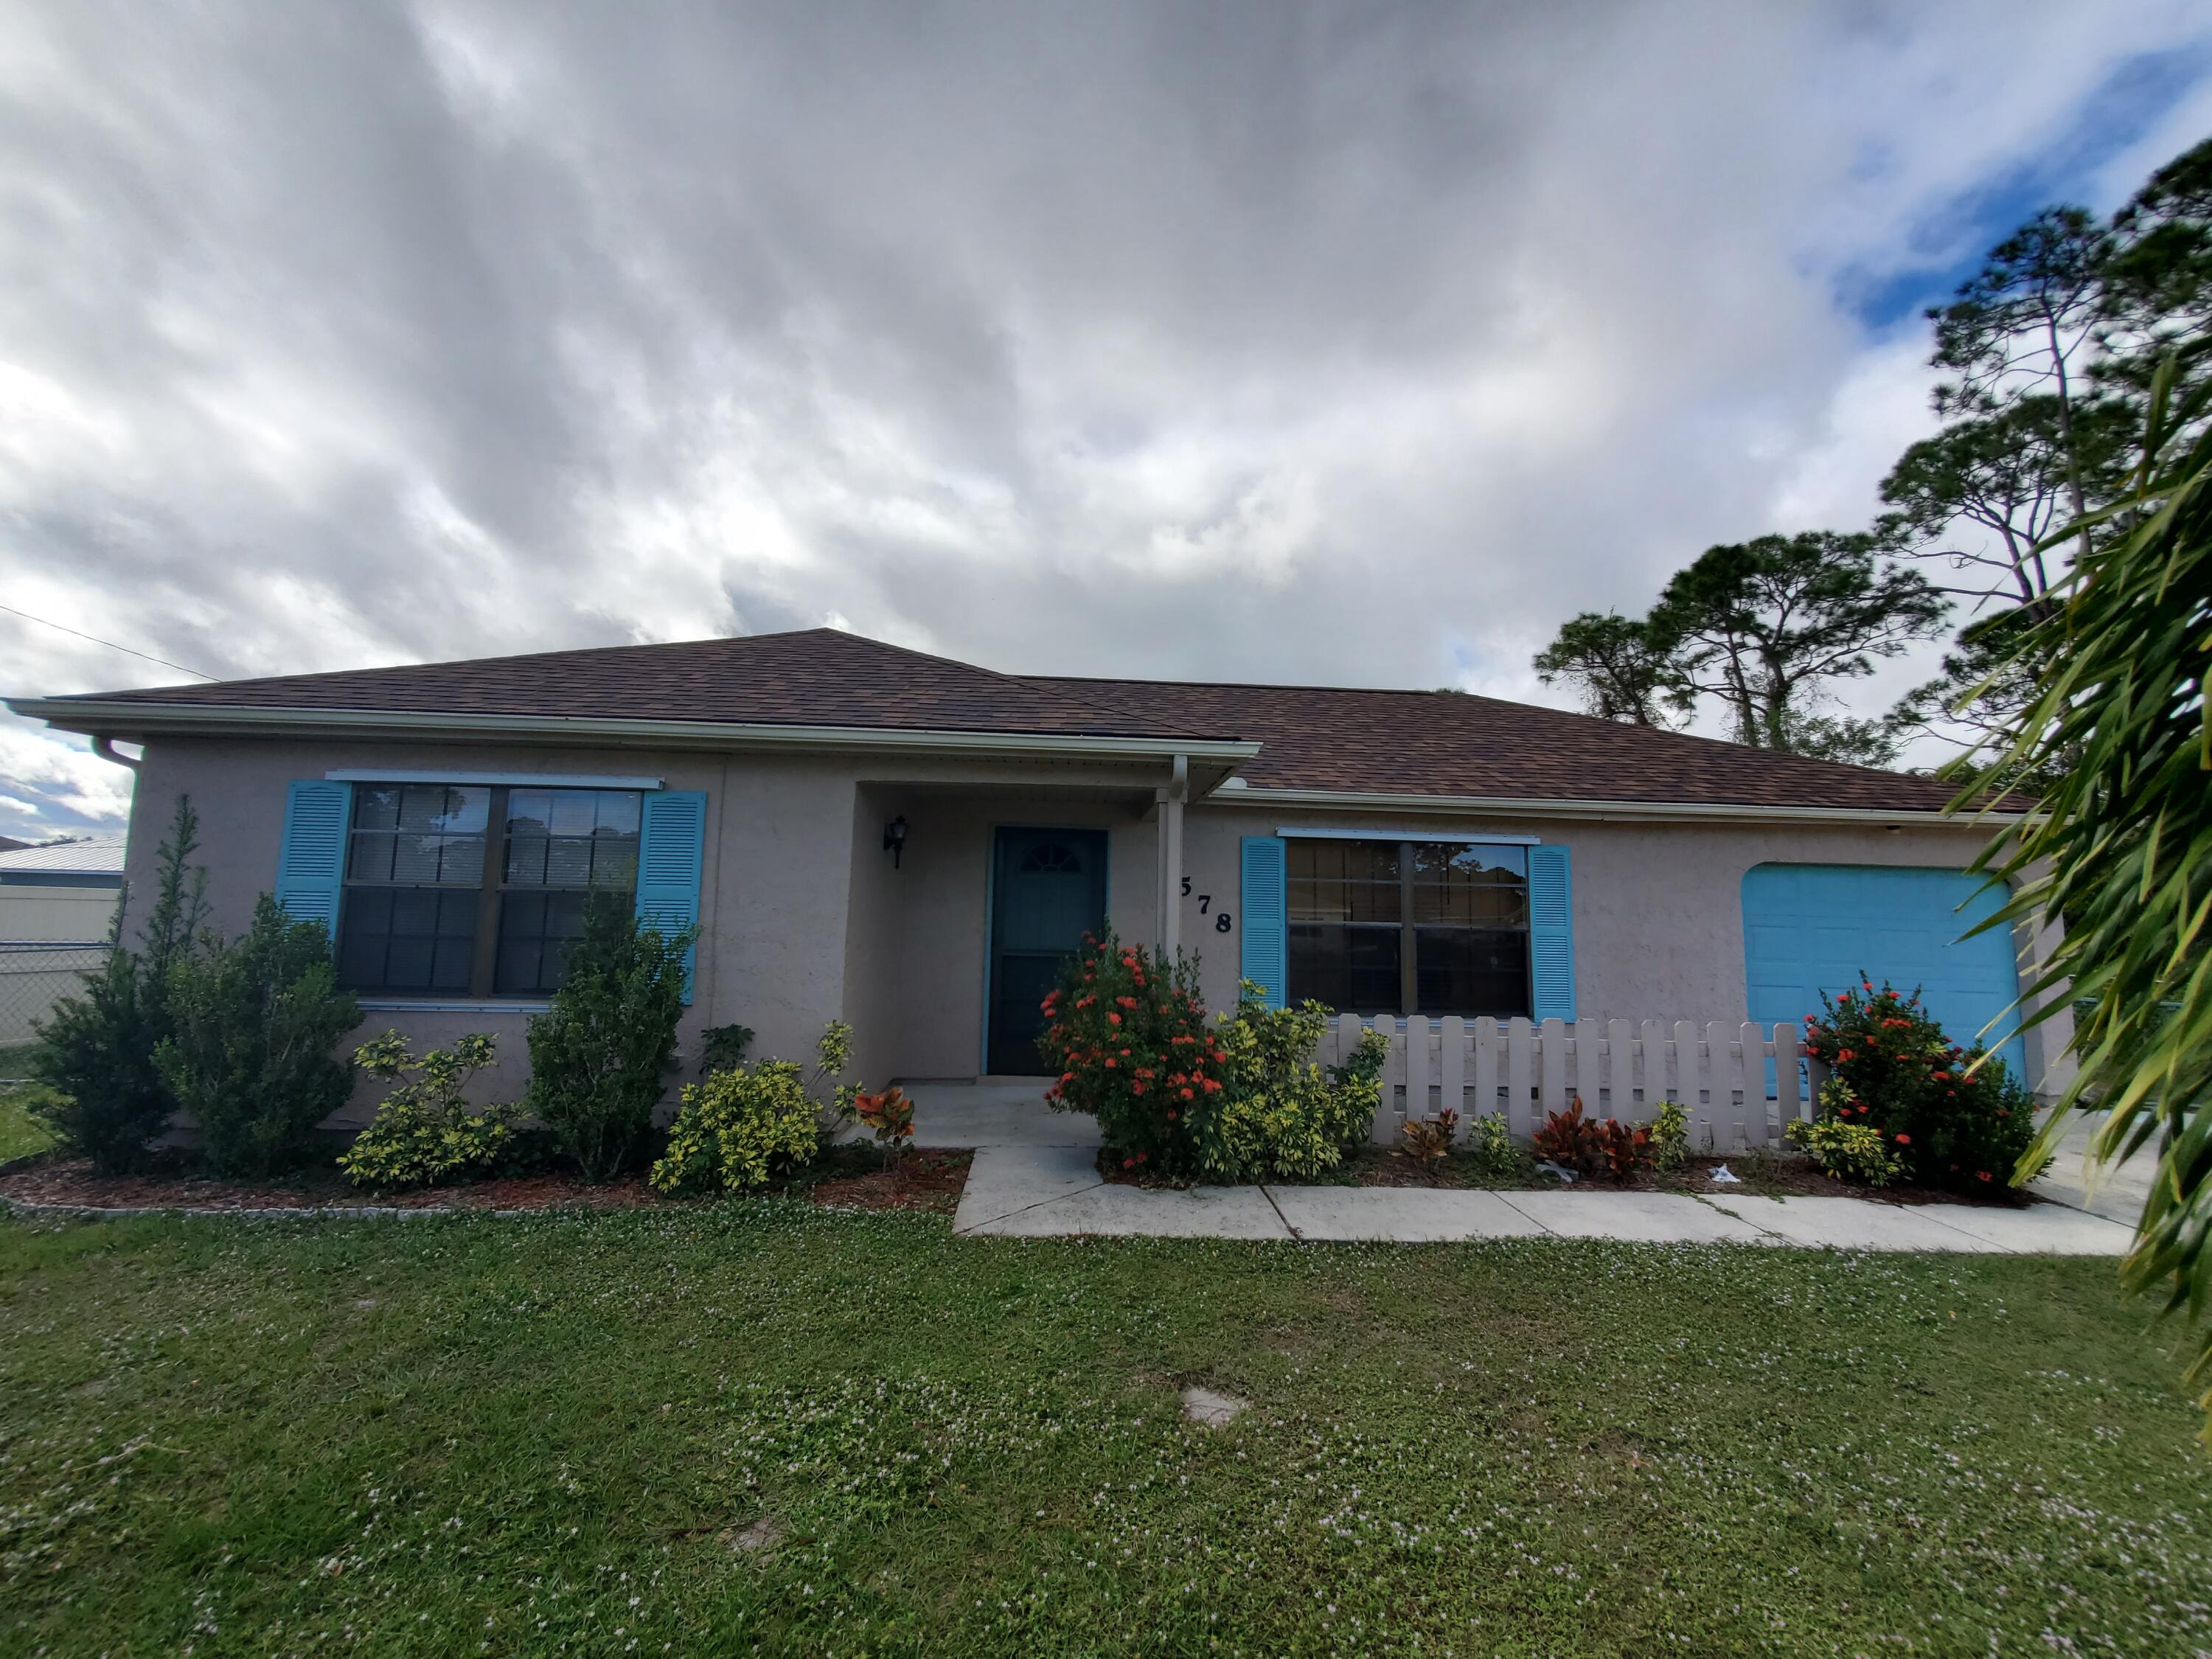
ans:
x=1659 y=731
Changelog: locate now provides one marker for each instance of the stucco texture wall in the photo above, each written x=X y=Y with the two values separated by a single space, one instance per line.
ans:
x=773 y=891
x=916 y=965
x=1658 y=908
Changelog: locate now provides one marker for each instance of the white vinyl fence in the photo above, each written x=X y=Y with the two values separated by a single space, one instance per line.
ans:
x=1742 y=1082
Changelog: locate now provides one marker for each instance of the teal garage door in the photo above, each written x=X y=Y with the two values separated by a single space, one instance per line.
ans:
x=1813 y=927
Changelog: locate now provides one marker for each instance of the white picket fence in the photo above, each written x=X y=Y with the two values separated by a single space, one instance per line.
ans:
x=1618 y=1068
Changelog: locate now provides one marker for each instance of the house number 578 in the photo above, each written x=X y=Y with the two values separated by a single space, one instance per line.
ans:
x=1222 y=920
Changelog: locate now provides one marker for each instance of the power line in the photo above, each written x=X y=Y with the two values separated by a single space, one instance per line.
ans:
x=110 y=644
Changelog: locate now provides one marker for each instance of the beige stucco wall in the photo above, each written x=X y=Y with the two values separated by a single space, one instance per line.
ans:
x=805 y=920
x=773 y=889
x=1658 y=908
x=931 y=940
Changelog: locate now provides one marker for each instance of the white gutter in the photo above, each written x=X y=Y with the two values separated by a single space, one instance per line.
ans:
x=117 y=719
x=1524 y=806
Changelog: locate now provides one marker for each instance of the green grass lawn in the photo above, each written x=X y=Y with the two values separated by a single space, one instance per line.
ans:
x=21 y=1134
x=457 y=1435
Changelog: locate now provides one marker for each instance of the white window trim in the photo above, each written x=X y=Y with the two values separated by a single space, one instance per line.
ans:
x=1295 y=832
x=510 y=780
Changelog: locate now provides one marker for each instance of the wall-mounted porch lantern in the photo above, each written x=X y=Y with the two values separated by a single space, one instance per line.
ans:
x=895 y=839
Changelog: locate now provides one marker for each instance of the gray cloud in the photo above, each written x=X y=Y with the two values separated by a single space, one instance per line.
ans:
x=1338 y=342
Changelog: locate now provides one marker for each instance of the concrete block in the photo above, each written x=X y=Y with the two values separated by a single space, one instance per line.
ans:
x=1201 y=1212
x=1402 y=1215
x=2038 y=1230
x=1854 y=1224
x=1002 y=1179
x=1648 y=1217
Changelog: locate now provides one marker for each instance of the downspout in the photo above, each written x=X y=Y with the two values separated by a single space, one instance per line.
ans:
x=1171 y=804
x=105 y=748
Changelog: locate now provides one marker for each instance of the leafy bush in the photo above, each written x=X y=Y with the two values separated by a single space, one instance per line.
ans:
x=1621 y=1150
x=252 y=1025
x=1428 y=1140
x=888 y=1117
x=1591 y=1146
x=597 y=1055
x=1128 y=1034
x=1904 y=1079
x=1283 y=1116
x=1669 y=1142
x=424 y=1131
x=1488 y=1150
x=1850 y=1151
x=747 y=1124
x=107 y=1098
x=722 y=1047
x=739 y=1128
x=1563 y=1138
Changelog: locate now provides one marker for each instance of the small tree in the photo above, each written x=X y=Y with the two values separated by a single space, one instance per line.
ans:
x=1624 y=669
x=1766 y=625
x=97 y=1050
x=254 y=1022
x=598 y=1054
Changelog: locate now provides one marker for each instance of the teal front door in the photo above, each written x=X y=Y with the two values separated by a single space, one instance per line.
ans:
x=1048 y=890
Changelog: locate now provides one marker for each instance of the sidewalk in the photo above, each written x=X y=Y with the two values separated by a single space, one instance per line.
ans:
x=1054 y=1192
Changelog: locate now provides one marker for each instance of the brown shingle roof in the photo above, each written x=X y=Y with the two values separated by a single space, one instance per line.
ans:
x=1446 y=742
x=1407 y=742
x=817 y=677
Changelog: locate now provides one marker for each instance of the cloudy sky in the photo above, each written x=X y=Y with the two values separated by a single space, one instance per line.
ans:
x=1356 y=343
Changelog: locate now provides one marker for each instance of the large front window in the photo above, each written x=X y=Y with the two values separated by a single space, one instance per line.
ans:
x=477 y=889
x=1409 y=927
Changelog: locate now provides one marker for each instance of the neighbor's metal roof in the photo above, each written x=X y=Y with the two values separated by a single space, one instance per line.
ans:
x=94 y=855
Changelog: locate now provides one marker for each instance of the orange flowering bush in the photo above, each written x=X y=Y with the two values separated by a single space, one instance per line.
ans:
x=1902 y=1077
x=1127 y=1030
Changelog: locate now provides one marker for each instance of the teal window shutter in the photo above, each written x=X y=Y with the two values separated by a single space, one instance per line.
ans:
x=671 y=847
x=311 y=860
x=1267 y=933
x=1551 y=933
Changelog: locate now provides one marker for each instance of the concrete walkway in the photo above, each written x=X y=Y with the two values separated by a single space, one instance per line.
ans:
x=1032 y=1191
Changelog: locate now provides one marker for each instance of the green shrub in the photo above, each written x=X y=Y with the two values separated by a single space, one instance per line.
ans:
x=1850 y=1151
x=1670 y=1136
x=424 y=1131
x=1487 y=1146
x=721 y=1047
x=106 y=1099
x=249 y=1056
x=1283 y=1116
x=1428 y=1140
x=597 y=1055
x=747 y=1124
x=1128 y=1031
x=739 y=1128
x=1951 y=1116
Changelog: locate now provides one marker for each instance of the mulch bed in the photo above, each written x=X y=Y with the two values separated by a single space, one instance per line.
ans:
x=851 y=1179
x=1770 y=1174
x=927 y=1180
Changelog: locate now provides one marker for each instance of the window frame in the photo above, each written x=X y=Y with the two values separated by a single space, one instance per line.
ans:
x=491 y=890
x=1408 y=925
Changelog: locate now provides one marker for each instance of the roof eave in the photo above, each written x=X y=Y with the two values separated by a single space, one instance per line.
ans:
x=1530 y=807
x=134 y=721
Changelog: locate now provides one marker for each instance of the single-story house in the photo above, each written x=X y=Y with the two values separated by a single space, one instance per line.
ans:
x=912 y=844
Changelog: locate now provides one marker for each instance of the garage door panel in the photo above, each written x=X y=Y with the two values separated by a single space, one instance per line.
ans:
x=1813 y=927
